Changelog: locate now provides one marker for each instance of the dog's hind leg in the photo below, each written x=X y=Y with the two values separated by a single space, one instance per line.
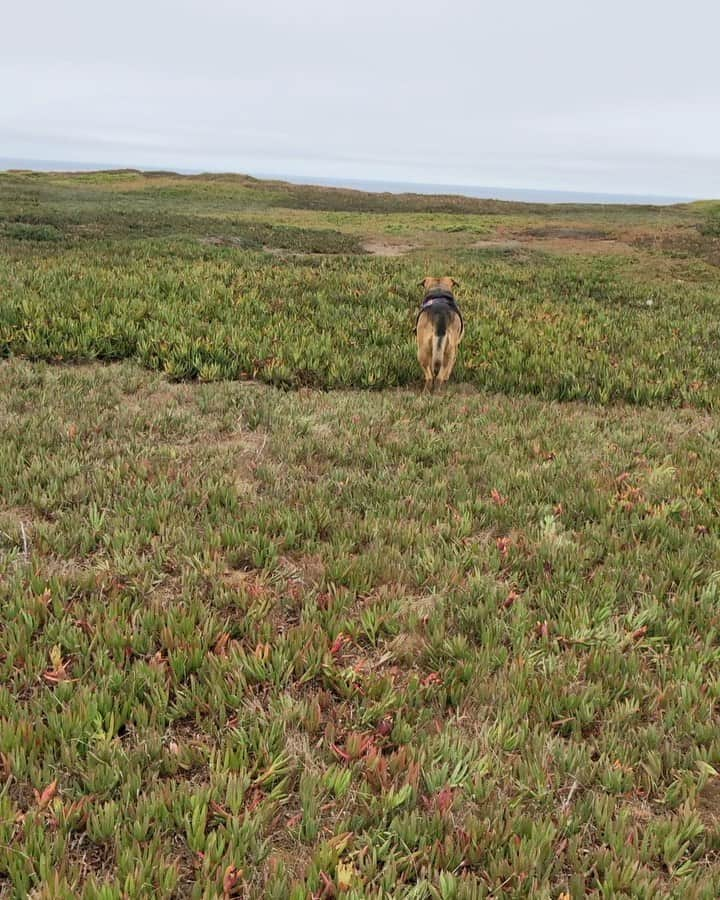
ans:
x=450 y=351
x=448 y=363
x=425 y=351
x=439 y=352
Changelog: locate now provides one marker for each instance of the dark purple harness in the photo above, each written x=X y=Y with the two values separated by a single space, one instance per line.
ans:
x=436 y=298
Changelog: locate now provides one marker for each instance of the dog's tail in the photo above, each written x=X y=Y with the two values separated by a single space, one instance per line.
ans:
x=438 y=353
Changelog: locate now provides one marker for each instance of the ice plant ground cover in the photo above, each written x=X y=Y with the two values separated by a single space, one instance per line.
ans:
x=276 y=625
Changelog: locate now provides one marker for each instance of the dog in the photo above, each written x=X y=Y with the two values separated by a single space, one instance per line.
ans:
x=439 y=328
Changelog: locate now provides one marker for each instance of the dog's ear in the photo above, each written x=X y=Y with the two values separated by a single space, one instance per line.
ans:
x=424 y=282
x=455 y=283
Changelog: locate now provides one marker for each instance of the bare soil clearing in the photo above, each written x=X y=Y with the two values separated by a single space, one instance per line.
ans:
x=387 y=248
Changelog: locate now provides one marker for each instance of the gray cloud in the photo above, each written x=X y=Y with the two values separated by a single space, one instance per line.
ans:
x=597 y=96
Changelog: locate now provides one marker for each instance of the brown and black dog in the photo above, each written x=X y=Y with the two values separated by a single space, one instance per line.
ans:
x=439 y=329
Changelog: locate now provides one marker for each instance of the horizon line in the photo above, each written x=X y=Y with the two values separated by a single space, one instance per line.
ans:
x=551 y=195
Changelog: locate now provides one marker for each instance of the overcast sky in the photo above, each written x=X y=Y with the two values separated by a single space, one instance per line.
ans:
x=595 y=95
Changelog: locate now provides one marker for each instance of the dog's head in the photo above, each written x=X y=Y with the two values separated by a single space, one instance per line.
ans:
x=446 y=283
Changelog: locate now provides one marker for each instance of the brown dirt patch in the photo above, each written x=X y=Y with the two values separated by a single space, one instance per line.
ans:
x=21 y=794
x=708 y=804
x=187 y=864
x=387 y=248
x=91 y=859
